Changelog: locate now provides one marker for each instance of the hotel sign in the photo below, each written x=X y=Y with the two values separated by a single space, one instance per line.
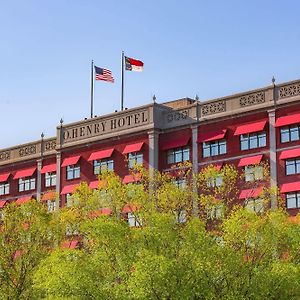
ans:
x=104 y=126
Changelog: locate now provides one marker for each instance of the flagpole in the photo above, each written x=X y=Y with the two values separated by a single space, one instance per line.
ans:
x=92 y=88
x=122 y=84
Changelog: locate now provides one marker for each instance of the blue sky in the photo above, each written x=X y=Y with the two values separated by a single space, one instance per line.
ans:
x=209 y=48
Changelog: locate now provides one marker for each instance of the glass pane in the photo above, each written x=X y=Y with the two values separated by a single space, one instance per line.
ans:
x=253 y=142
x=1 y=189
x=244 y=144
x=223 y=149
x=298 y=166
x=170 y=157
x=262 y=140
x=178 y=156
x=290 y=167
x=77 y=173
x=214 y=149
x=291 y=201
x=285 y=136
x=249 y=173
x=259 y=205
x=219 y=180
x=110 y=165
x=186 y=154
x=206 y=150
x=250 y=205
x=259 y=172
x=294 y=133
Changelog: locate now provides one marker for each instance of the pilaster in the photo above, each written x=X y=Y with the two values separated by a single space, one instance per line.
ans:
x=195 y=167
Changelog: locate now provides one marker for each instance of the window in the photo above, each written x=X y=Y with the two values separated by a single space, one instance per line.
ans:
x=181 y=216
x=26 y=184
x=4 y=188
x=132 y=220
x=292 y=166
x=214 y=181
x=50 y=179
x=69 y=200
x=214 y=148
x=51 y=205
x=253 y=173
x=180 y=183
x=293 y=200
x=178 y=155
x=215 y=212
x=256 y=205
x=135 y=158
x=252 y=140
x=73 y=172
x=290 y=133
x=102 y=165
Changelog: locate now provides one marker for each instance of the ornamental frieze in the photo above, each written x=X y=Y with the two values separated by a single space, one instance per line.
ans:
x=177 y=115
x=28 y=150
x=289 y=90
x=4 y=155
x=252 y=99
x=213 y=108
x=50 y=145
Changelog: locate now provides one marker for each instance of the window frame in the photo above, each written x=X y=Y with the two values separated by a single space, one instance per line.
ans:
x=294 y=163
x=102 y=164
x=288 y=131
x=26 y=184
x=214 y=148
x=5 y=187
x=253 y=171
x=135 y=159
x=178 y=155
x=296 y=197
x=256 y=202
x=253 y=140
x=73 y=171
x=50 y=179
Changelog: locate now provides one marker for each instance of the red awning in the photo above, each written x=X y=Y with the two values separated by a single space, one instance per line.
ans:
x=100 y=212
x=290 y=153
x=129 y=208
x=73 y=160
x=101 y=154
x=132 y=178
x=250 y=193
x=211 y=136
x=48 y=168
x=133 y=147
x=252 y=160
x=23 y=200
x=51 y=195
x=290 y=187
x=175 y=143
x=251 y=127
x=69 y=244
x=69 y=189
x=2 y=204
x=24 y=173
x=4 y=177
x=288 y=120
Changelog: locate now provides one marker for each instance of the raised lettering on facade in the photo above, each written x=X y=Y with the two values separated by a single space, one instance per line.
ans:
x=106 y=126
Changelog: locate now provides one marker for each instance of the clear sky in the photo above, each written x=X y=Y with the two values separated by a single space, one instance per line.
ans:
x=209 y=48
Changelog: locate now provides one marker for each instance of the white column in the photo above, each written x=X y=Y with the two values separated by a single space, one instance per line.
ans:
x=195 y=166
x=273 y=157
x=153 y=154
x=58 y=174
x=39 y=180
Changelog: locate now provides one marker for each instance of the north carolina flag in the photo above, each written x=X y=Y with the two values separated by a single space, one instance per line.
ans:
x=132 y=64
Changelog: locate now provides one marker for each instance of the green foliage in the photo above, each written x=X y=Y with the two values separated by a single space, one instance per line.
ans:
x=242 y=256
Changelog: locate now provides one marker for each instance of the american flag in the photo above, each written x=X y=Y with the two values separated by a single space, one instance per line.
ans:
x=103 y=74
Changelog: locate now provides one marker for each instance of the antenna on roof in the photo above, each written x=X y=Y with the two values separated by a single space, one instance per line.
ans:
x=154 y=98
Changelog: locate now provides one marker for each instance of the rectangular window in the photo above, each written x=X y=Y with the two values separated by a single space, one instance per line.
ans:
x=73 y=172
x=4 y=188
x=26 y=184
x=51 y=205
x=253 y=173
x=290 y=133
x=132 y=220
x=256 y=205
x=293 y=200
x=253 y=140
x=178 y=155
x=214 y=181
x=214 y=148
x=215 y=212
x=292 y=166
x=50 y=179
x=135 y=158
x=180 y=183
x=103 y=165
x=69 y=200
